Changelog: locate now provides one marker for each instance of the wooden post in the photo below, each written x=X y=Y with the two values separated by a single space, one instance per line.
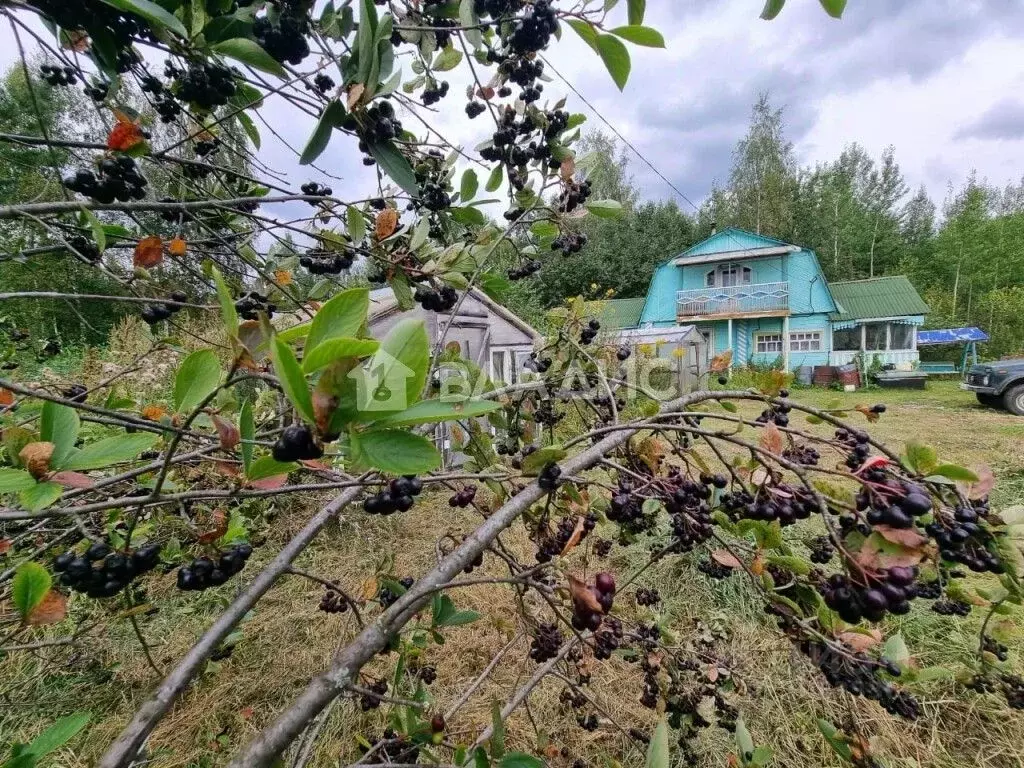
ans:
x=785 y=342
x=728 y=342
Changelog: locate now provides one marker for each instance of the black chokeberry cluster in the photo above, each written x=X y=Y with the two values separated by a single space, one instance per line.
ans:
x=622 y=353
x=573 y=195
x=603 y=591
x=965 y=540
x=399 y=496
x=322 y=262
x=781 y=501
x=434 y=197
x=434 y=93
x=928 y=590
x=463 y=497
x=714 y=569
x=537 y=364
x=98 y=91
x=206 y=147
x=547 y=641
x=203 y=572
x=58 y=76
x=993 y=646
x=885 y=591
x=822 y=549
x=425 y=672
x=333 y=602
x=377 y=124
x=546 y=414
x=84 y=247
x=316 y=190
x=857 y=442
x=252 y=303
x=858 y=674
x=549 y=477
x=323 y=82
x=626 y=509
x=76 y=393
x=376 y=691
x=475 y=108
x=1013 y=689
x=645 y=596
x=283 y=34
x=894 y=502
x=948 y=607
x=101 y=572
x=688 y=503
x=155 y=313
x=434 y=300
x=602 y=547
x=608 y=640
x=775 y=413
x=205 y=85
x=528 y=268
x=118 y=179
x=552 y=543
x=296 y=443
x=534 y=29
x=802 y=454
x=588 y=334
x=387 y=597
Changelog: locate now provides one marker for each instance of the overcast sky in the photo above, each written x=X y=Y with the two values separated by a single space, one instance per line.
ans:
x=942 y=80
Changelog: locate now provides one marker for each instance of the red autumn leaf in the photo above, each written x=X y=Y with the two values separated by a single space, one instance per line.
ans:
x=386 y=224
x=869 y=414
x=878 y=552
x=73 y=480
x=315 y=464
x=324 y=405
x=53 y=608
x=583 y=598
x=36 y=458
x=268 y=483
x=6 y=397
x=726 y=558
x=355 y=93
x=574 y=539
x=5 y=546
x=871 y=463
x=177 y=246
x=721 y=362
x=984 y=485
x=283 y=277
x=125 y=134
x=567 y=169
x=227 y=432
x=771 y=438
x=153 y=412
x=149 y=252
x=74 y=40
x=219 y=521
x=860 y=641
x=227 y=468
x=906 y=537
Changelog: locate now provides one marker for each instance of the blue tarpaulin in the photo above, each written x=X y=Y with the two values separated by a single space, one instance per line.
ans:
x=950 y=336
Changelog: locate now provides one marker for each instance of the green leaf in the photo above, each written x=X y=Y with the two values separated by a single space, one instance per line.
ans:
x=59 y=424
x=834 y=8
x=31 y=583
x=14 y=480
x=321 y=135
x=250 y=52
x=447 y=59
x=921 y=458
x=98 y=233
x=111 y=450
x=480 y=759
x=467 y=215
x=536 y=461
x=432 y=411
x=40 y=496
x=895 y=649
x=520 y=760
x=292 y=380
x=341 y=317
x=955 y=472
x=268 y=466
x=795 y=564
x=498 y=731
x=355 y=222
x=835 y=740
x=250 y=128
x=470 y=184
x=151 y=12
x=247 y=431
x=639 y=35
x=394 y=164
x=744 y=742
x=605 y=209
x=58 y=734
x=336 y=349
x=420 y=234
x=366 y=39
x=728 y=405
x=403 y=357
x=197 y=378
x=636 y=11
x=395 y=451
x=495 y=179
x=657 y=749
x=772 y=8
x=615 y=58
x=227 y=303
x=296 y=332
x=586 y=31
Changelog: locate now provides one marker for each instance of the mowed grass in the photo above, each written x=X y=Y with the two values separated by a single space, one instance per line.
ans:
x=286 y=639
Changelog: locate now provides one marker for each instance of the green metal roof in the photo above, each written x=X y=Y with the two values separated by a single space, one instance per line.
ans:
x=877 y=297
x=620 y=313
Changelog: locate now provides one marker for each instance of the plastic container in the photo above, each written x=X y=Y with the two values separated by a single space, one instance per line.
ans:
x=805 y=374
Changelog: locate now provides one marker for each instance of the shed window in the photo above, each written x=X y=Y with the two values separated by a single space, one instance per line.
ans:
x=902 y=336
x=768 y=342
x=805 y=341
x=874 y=337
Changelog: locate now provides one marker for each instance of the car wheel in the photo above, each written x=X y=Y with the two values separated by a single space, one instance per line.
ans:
x=989 y=400
x=1014 y=400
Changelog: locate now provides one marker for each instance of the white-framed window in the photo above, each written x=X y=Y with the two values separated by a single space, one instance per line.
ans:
x=846 y=339
x=767 y=342
x=805 y=341
x=508 y=364
x=727 y=275
x=901 y=336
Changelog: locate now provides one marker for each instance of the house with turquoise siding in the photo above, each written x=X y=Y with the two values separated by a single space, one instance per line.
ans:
x=769 y=302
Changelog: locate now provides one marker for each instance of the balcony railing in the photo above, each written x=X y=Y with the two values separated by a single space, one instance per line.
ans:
x=761 y=298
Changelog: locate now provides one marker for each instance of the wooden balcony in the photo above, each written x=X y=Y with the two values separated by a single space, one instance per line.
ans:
x=758 y=300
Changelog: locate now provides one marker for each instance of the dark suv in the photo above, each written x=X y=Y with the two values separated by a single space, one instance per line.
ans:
x=998 y=384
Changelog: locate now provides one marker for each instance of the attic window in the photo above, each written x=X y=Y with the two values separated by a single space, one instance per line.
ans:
x=727 y=275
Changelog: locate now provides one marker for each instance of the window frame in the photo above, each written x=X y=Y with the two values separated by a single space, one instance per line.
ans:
x=813 y=337
x=761 y=337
